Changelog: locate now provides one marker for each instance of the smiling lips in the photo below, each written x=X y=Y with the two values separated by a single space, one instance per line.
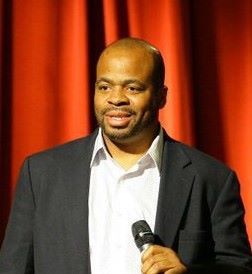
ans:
x=118 y=118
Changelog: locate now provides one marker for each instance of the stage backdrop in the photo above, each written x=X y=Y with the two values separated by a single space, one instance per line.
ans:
x=48 y=51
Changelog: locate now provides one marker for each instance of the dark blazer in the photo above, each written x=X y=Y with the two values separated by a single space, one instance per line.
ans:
x=199 y=214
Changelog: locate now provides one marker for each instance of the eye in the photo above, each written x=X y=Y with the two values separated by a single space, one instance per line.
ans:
x=134 y=89
x=103 y=87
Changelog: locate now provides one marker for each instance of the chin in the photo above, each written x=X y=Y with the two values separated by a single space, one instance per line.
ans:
x=117 y=134
x=129 y=133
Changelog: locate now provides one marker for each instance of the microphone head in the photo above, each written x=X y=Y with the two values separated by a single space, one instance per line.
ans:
x=142 y=234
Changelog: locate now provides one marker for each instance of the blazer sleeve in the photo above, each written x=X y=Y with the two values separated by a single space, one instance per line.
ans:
x=16 y=255
x=228 y=227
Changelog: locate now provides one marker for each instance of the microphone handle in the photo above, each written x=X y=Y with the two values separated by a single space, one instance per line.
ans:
x=144 y=247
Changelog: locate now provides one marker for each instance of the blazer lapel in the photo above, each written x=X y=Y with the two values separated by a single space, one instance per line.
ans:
x=78 y=173
x=176 y=182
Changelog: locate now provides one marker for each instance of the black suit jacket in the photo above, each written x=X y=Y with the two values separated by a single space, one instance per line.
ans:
x=199 y=214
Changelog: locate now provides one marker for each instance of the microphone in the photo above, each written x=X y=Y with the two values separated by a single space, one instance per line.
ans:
x=143 y=235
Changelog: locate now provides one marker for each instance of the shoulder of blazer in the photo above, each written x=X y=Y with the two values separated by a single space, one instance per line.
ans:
x=202 y=163
x=75 y=150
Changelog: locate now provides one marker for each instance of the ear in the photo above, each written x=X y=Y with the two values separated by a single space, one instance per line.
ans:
x=163 y=96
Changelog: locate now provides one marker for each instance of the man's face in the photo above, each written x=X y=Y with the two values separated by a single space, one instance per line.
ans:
x=126 y=102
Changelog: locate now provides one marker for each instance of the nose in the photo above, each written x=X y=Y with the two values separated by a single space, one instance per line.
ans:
x=118 y=97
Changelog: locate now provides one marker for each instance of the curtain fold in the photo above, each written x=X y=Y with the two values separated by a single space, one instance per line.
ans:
x=48 y=52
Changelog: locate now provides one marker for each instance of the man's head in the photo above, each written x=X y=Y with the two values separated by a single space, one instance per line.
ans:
x=129 y=90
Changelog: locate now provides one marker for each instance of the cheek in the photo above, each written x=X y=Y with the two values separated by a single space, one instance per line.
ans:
x=143 y=103
x=98 y=101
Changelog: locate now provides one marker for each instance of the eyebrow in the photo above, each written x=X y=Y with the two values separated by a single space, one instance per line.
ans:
x=125 y=82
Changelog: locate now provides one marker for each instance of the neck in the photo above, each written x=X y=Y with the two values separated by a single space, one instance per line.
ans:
x=127 y=152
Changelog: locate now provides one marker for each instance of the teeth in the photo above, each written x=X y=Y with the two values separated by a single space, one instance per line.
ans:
x=118 y=118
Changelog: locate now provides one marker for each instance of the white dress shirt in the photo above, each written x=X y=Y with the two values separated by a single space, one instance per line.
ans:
x=117 y=199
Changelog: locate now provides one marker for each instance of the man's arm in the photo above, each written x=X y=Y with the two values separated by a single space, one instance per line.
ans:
x=228 y=228
x=16 y=255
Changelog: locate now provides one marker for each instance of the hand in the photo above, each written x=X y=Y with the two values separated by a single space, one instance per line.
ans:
x=158 y=259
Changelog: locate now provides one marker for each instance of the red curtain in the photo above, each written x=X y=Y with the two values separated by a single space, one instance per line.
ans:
x=48 y=52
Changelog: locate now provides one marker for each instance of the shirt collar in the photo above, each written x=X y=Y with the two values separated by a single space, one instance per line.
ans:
x=99 y=145
x=154 y=151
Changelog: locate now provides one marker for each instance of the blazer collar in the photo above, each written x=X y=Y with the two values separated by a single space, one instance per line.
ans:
x=78 y=173
x=176 y=182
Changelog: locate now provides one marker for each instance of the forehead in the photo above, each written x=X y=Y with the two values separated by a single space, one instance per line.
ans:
x=125 y=60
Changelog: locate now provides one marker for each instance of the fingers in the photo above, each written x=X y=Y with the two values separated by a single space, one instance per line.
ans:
x=156 y=264
x=157 y=259
x=153 y=250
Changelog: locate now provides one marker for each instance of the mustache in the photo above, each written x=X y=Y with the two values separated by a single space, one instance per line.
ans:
x=119 y=109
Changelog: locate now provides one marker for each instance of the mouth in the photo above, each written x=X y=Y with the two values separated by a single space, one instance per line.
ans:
x=116 y=118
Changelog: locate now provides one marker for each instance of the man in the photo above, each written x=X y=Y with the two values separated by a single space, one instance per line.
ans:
x=75 y=204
